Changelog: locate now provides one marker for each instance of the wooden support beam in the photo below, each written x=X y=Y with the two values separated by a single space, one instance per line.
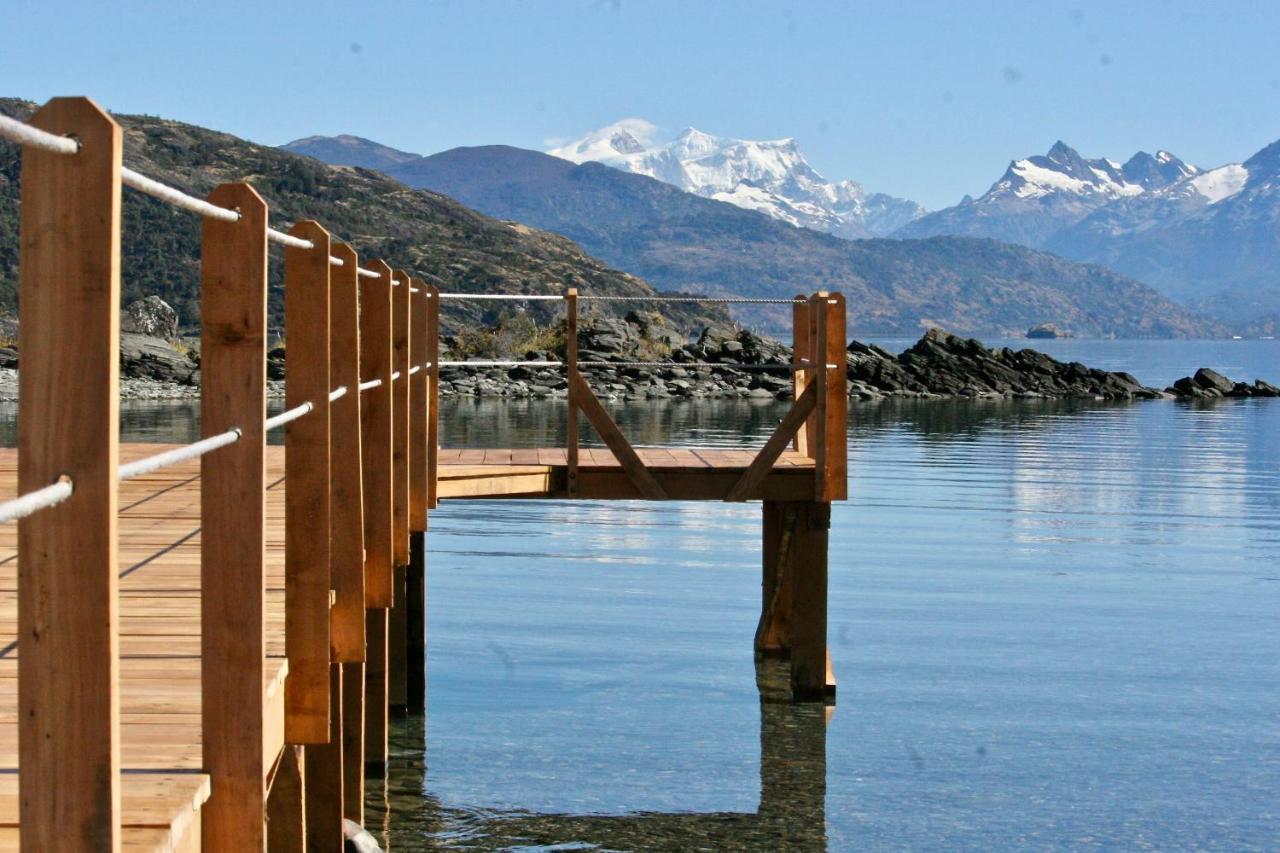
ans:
x=375 y=693
x=401 y=414
x=762 y=465
x=808 y=564
x=773 y=635
x=398 y=646
x=233 y=368
x=801 y=352
x=571 y=367
x=635 y=469
x=433 y=400
x=416 y=626
x=353 y=741
x=306 y=444
x=68 y=608
x=346 y=494
x=375 y=433
x=832 y=474
x=285 y=806
x=325 y=782
x=419 y=402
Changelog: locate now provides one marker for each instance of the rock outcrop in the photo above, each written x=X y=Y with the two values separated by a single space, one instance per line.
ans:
x=1207 y=384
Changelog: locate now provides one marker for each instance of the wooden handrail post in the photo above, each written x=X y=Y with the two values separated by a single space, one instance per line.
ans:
x=801 y=351
x=433 y=404
x=832 y=478
x=375 y=433
x=419 y=397
x=68 y=606
x=818 y=358
x=346 y=501
x=306 y=444
x=571 y=371
x=401 y=414
x=233 y=370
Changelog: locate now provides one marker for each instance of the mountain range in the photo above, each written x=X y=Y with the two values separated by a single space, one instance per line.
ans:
x=772 y=177
x=679 y=240
x=1207 y=238
x=434 y=236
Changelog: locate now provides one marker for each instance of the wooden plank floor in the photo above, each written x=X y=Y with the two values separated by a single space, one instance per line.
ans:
x=161 y=788
x=685 y=473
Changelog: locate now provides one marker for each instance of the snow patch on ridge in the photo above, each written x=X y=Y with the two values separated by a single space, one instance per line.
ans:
x=1221 y=183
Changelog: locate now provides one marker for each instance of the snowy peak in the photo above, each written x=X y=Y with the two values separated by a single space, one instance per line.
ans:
x=769 y=176
x=1063 y=171
x=1153 y=172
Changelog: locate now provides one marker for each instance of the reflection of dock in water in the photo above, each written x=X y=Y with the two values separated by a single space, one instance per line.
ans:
x=791 y=814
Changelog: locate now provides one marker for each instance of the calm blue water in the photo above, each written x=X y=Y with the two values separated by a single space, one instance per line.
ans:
x=1054 y=625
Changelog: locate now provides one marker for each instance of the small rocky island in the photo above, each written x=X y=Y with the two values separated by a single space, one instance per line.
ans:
x=641 y=357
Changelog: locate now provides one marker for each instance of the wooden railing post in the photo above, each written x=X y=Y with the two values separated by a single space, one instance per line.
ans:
x=307 y=484
x=419 y=395
x=401 y=414
x=233 y=332
x=68 y=607
x=346 y=501
x=571 y=371
x=375 y=433
x=833 y=475
x=802 y=378
x=818 y=376
x=433 y=404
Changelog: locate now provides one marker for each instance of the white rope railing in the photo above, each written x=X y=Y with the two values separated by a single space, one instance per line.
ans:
x=181 y=454
x=24 y=134
x=338 y=393
x=370 y=385
x=276 y=421
x=32 y=502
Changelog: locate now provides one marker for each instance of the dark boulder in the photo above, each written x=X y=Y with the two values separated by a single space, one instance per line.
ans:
x=143 y=357
x=1207 y=379
x=150 y=316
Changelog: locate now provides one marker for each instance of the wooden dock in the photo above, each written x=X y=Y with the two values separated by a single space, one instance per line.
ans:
x=201 y=645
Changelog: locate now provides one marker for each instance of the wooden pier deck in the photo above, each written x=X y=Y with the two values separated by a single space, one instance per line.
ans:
x=200 y=646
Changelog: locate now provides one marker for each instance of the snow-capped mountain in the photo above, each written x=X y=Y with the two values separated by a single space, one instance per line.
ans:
x=772 y=177
x=1207 y=237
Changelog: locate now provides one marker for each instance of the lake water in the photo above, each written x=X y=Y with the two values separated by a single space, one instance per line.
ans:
x=1055 y=625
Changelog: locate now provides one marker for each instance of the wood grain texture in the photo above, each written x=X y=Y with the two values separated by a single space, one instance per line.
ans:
x=401 y=413
x=433 y=402
x=833 y=476
x=353 y=741
x=419 y=404
x=68 y=621
x=801 y=351
x=807 y=561
x=346 y=493
x=375 y=432
x=324 y=778
x=306 y=444
x=571 y=366
x=818 y=342
x=233 y=309
x=773 y=637
x=286 y=814
x=617 y=442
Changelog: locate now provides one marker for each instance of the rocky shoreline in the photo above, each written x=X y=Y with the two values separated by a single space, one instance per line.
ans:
x=639 y=358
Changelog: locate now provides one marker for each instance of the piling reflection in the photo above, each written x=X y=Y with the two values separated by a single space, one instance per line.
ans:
x=403 y=813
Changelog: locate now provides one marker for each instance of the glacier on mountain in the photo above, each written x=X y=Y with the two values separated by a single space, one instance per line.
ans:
x=769 y=176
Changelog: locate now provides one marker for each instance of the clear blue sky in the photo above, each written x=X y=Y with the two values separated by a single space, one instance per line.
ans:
x=925 y=100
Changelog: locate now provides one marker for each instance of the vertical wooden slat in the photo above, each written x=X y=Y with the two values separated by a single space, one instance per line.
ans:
x=836 y=424
x=346 y=502
x=807 y=561
x=233 y=309
x=375 y=692
x=306 y=443
x=419 y=400
x=353 y=741
x=400 y=411
x=68 y=609
x=375 y=433
x=818 y=355
x=433 y=403
x=324 y=778
x=801 y=351
x=286 y=807
x=571 y=370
